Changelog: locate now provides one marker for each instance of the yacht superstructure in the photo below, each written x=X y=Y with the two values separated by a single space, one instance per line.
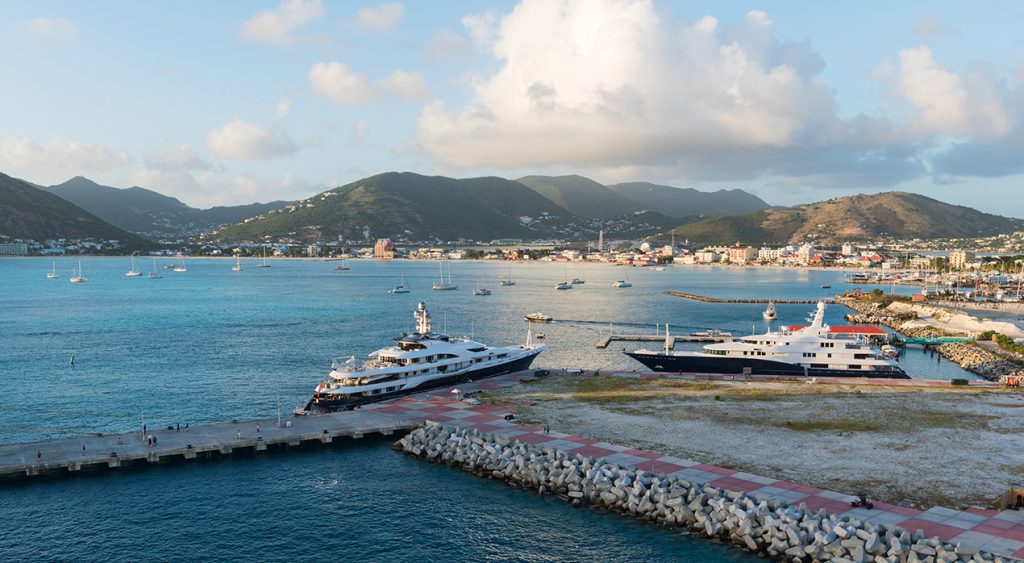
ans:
x=417 y=361
x=812 y=351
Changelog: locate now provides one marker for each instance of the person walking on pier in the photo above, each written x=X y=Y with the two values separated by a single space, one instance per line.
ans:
x=257 y=427
x=238 y=432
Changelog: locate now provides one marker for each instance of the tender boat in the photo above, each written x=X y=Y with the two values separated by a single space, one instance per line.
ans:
x=811 y=351
x=481 y=291
x=417 y=361
x=769 y=314
x=621 y=284
x=890 y=351
x=538 y=318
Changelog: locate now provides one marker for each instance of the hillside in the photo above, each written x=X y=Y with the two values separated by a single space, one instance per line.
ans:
x=407 y=206
x=140 y=210
x=28 y=212
x=854 y=218
x=581 y=196
x=687 y=202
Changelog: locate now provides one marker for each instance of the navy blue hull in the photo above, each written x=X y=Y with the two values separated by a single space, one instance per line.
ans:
x=329 y=402
x=738 y=366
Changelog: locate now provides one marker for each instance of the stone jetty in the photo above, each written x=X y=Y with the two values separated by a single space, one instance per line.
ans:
x=766 y=526
x=708 y=299
x=979 y=361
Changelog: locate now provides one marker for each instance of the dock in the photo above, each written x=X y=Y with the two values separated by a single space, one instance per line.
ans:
x=111 y=451
x=607 y=339
x=707 y=299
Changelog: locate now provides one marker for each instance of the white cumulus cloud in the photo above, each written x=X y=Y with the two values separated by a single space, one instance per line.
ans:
x=970 y=104
x=406 y=85
x=284 y=107
x=59 y=158
x=612 y=84
x=247 y=141
x=340 y=84
x=277 y=25
x=383 y=17
x=50 y=28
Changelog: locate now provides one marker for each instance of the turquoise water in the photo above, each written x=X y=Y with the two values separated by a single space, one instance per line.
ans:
x=211 y=344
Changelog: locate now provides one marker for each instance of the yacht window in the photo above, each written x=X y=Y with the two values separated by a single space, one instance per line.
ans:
x=854 y=367
x=502 y=355
x=819 y=365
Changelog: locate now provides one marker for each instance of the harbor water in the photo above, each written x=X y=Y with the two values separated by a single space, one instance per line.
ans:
x=211 y=344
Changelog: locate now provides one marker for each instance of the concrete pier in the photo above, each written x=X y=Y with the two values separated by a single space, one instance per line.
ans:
x=112 y=451
x=707 y=299
x=607 y=339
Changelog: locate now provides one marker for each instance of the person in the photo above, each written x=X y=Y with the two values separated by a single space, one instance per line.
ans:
x=154 y=439
x=143 y=428
x=39 y=455
x=186 y=427
x=238 y=431
x=257 y=427
x=149 y=441
x=177 y=427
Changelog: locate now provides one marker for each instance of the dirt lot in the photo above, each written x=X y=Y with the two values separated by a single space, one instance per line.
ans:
x=911 y=446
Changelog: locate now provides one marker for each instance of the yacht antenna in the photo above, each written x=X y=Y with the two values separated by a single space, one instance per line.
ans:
x=667 y=347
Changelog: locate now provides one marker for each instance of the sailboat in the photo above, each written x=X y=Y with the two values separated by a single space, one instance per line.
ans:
x=181 y=267
x=400 y=288
x=264 y=263
x=52 y=274
x=78 y=277
x=343 y=266
x=565 y=284
x=769 y=314
x=238 y=264
x=440 y=284
x=153 y=275
x=577 y=281
x=133 y=273
x=507 y=280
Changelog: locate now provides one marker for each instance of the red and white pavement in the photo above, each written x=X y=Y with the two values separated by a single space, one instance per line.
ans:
x=999 y=532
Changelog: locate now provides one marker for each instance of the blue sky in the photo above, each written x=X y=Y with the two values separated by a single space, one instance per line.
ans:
x=231 y=102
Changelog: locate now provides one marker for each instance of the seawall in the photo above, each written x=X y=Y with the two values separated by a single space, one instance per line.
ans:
x=757 y=523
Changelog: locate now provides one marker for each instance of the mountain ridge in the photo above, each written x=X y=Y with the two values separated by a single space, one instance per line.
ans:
x=27 y=212
x=142 y=210
x=852 y=218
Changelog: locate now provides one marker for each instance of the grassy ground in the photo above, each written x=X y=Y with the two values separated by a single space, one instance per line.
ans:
x=902 y=444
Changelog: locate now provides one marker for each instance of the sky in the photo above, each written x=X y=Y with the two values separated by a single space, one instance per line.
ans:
x=220 y=103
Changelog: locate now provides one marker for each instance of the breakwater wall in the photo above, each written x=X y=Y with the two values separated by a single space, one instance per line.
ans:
x=707 y=299
x=967 y=355
x=761 y=525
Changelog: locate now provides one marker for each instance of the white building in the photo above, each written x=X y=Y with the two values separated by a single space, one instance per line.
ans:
x=766 y=254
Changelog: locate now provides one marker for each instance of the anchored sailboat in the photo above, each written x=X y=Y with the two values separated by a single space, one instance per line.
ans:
x=133 y=273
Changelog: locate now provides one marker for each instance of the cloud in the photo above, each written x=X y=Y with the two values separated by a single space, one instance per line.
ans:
x=276 y=26
x=59 y=158
x=341 y=85
x=480 y=27
x=179 y=158
x=247 y=141
x=383 y=17
x=614 y=85
x=406 y=85
x=448 y=45
x=969 y=104
x=359 y=131
x=930 y=27
x=284 y=107
x=50 y=28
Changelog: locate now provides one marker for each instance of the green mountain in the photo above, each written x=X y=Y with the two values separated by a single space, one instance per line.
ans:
x=140 y=210
x=407 y=206
x=854 y=218
x=688 y=202
x=28 y=212
x=581 y=196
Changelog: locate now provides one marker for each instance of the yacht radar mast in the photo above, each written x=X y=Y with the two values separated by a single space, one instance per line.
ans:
x=422 y=319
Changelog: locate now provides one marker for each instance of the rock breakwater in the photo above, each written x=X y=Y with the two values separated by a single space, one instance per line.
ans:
x=980 y=361
x=759 y=524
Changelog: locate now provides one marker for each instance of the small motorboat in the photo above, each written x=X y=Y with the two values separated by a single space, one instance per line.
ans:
x=621 y=284
x=563 y=285
x=890 y=351
x=577 y=281
x=769 y=314
x=826 y=286
x=538 y=318
x=481 y=291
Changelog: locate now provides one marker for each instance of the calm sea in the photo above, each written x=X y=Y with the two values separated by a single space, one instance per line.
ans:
x=211 y=344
